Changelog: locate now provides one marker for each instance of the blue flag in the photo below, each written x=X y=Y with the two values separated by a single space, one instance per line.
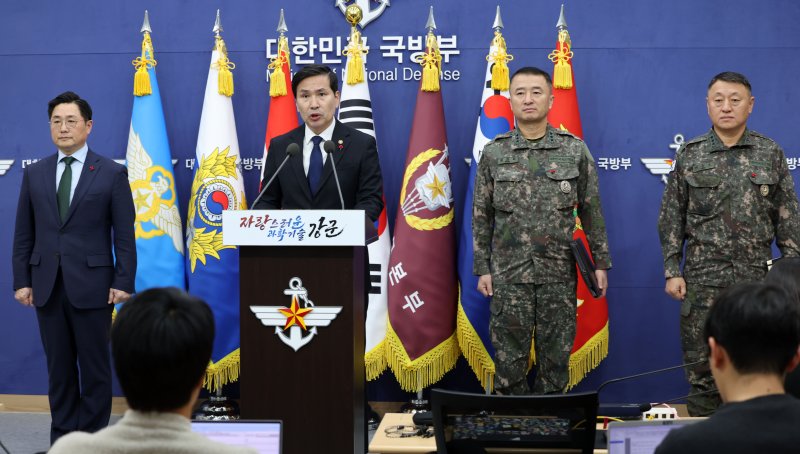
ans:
x=217 y=186
x=159 y=233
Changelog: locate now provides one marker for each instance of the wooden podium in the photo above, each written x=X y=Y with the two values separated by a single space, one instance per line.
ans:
x=303 y=367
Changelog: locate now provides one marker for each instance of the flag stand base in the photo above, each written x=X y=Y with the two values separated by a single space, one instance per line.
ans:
x=217 y=408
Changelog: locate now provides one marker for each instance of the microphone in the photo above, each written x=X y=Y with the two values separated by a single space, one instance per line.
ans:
x=652 y=372
x=647 y=406
x=633 y=410
x=328 y=146
x=291 y=150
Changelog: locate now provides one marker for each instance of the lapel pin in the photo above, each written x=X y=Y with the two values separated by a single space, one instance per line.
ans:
x=91 y=168
x=341 y=144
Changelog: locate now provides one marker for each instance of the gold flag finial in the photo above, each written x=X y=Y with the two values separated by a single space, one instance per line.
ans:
x=431 y=60
x=277 y=79
x=141 y=80
x=561 y=56
x=500 y=56
x=223 y=64
x=355 y=51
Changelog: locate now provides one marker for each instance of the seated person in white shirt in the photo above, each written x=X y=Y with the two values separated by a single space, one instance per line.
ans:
x=161 y=343
x=753 y=332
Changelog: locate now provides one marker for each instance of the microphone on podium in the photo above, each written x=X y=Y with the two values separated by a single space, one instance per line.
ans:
x=291 y=150
x=328 y=146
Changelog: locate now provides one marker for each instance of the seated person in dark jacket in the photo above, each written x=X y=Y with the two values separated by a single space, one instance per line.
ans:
x=753 y=332
x=786 y=273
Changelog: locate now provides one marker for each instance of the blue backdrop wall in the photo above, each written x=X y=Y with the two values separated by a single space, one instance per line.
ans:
x=641 y=69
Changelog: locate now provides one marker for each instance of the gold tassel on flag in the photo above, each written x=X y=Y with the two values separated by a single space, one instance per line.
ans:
x=354 y=50
x=224 y=66
x=355 y=62
x=562 y=73
x=141 y=80
x=500 y=57
x=431 y=62
x=277 y=80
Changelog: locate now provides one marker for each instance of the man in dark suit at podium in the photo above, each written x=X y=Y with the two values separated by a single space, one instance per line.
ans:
x=307 y=181
x=75 y=208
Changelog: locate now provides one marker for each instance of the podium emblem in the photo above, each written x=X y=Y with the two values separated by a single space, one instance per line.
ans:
x=300 y=319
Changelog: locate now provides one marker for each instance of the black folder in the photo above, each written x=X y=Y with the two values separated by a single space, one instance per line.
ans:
x=585 y=267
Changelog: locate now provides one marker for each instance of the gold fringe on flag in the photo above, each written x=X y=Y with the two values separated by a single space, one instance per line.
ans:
x=355 y=62
x=431 y=62
x=424 y=371
x=588 y=357
x=277 y=80
x=561 y=56
x=375 y=361
x=222 y=372
x=473 y=350
x=224 y=67
x=500 y=57
x=141 y=80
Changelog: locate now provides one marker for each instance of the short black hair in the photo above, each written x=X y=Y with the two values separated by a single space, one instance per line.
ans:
x=161 y=342
x=786 y=273
x=731 y=77
x=69 y=97
x=534 y=71
x=758 y=324
x=315 y=70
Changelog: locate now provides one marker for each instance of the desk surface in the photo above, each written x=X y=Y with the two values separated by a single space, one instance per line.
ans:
x=383 y=444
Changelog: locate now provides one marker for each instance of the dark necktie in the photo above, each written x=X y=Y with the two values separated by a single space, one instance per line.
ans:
x=315 y=166
x=64 y=187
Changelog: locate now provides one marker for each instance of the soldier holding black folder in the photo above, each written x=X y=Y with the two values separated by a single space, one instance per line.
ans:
x=528 y=182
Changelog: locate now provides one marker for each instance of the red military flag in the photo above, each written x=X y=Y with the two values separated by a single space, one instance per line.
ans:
x=423 y=286
x=282 y=116
x=591 y=333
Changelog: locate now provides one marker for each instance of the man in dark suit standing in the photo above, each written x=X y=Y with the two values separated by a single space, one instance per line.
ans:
x=75 y=207
x=307 y=181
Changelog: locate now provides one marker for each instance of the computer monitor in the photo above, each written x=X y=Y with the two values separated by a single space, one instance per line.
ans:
x=262 y=435
x=641 y=437
x=553 y=422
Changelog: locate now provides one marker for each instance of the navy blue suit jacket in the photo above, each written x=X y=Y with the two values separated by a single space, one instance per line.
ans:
x=357 y=165
x=101 y=215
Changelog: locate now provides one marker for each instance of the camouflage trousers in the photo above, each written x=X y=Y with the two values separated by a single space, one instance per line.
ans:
x=694 y=311
x=544 y=312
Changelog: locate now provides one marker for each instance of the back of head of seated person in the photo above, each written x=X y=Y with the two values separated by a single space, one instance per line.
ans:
x=753 y=332
x=786 y=273
x=161 y=343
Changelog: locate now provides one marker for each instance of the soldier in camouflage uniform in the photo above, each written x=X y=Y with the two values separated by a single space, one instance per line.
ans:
x=527 y=184
x=730 y=194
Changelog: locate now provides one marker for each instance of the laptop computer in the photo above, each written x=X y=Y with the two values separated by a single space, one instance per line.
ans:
x=641 y=437
x=265 y=436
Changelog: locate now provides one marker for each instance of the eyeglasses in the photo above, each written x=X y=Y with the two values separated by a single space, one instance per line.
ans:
x=70 y=122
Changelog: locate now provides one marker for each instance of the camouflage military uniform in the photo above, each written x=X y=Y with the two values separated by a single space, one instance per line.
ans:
x=522 y=224
x=727 y=204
